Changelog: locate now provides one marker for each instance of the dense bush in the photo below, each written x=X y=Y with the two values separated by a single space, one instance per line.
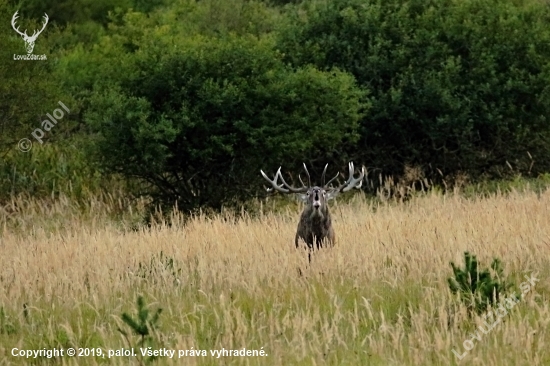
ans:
x=81 y=11
x=197 y=121
x=50 y=170
x=27 y=91
x=458 y=85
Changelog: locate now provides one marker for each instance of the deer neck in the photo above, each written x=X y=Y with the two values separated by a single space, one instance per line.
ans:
x=321 y=215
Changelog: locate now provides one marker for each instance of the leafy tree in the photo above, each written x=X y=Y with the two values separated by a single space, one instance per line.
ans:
x=27 y=92
x=196 y=119
x=84 y=40
x=81 y=11
x=455 y=85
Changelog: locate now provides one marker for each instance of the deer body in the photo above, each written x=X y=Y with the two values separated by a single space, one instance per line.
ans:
x=315 y=226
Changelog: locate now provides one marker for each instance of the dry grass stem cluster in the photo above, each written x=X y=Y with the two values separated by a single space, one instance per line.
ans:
x=379 y=297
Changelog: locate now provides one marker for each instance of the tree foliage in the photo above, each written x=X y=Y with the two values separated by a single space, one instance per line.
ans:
x=193 y=97
x=198 y=121
x=27 y=91
x=456 y=84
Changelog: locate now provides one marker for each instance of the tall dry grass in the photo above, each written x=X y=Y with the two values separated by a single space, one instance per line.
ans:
x=379 y=297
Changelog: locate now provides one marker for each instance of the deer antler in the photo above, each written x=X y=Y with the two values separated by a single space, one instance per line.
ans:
x=285 y=187
x=349 y=184
x=352 y=182
x=325 y=185
x=308 y=177
x=13 y=19
x=24 y=34
x=44 y=26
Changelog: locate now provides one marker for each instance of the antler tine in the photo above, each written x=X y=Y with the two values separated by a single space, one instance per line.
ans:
x=354 y=182
x=308 y=177
x=291 y=188
x=330 y=181
x=323 y=176
x=274 y=182
x=284 y=187
x=13 y=19
x=35 y=34
x=301 y=181
x=45 y=23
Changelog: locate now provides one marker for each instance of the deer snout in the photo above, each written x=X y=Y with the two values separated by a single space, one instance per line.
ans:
x=316 y=200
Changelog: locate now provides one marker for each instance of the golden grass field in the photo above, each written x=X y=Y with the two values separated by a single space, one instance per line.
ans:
x=379 y=297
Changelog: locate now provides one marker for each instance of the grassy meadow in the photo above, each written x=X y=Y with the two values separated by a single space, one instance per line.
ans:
x=379 y=297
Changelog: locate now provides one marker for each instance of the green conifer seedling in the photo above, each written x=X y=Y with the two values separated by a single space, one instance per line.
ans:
x=478 y=289
x=142 y=325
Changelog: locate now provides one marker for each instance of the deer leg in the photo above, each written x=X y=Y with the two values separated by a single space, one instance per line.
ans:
x=310 y=248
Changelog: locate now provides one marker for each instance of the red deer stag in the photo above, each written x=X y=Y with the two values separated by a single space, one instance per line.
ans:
x=315 y=224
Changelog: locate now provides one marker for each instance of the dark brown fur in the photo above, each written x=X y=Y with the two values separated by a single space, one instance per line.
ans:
x=315 y=226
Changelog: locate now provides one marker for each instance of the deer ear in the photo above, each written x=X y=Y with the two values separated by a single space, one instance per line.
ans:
x=302 y=197
x=332 y=194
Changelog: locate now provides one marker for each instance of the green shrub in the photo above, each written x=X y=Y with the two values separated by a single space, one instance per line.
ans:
x=27 y=89
x=51 y=169
x=456 y=85
x=198 y=121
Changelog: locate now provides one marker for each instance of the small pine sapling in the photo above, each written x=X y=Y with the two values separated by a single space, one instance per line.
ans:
x=478 y=289
x=142 y=326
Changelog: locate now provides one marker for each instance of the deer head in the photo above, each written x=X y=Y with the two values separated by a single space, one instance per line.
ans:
x=315 y=222
x=314 y=194
x=29 y=40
